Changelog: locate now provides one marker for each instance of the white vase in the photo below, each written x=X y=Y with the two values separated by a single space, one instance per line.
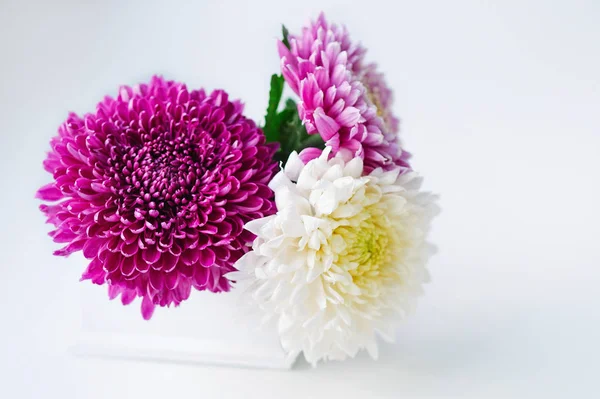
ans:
x=207 y=328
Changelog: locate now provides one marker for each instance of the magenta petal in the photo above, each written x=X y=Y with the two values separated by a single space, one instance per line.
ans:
x=156 y=280
x=94 y=272
x=222 y=253
x=140 y=264
x=128 y=236
x=92 y=247
x=201 y=276
x=137 y=227
x=223 y=284
x=151 y=254
x=158 y=265
x=128 y=266
x=129 y=249
x=190 y=256
x=207 y=257
x=147 y=308
x=69 y=249
x=127 y=296
x=49 y=193
x=113 y=291
x=171 y=280
x=112 y=261
x=62 y=236
x=215 y=275
x=169 y=261
x=114 y=244
x=183 y=289
x=175 y=249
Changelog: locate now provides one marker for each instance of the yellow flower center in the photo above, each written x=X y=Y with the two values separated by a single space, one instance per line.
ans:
x=373 y=250
x=374 y=97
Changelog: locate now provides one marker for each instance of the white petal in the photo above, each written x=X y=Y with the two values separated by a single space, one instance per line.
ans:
x=293 y=166
x=372 y=348
x=320 y=294
x=255 y=225
x=278 y=181
x=326 y=203
x=312 y=223
x=354 y=168
x=333 y=173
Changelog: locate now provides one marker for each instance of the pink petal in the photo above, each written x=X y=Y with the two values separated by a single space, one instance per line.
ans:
x=304 y=68
x=290 y=75
x=309 y=153
x=334 y=143
x=326 y=126
x=336 y=109
x=349 y=117
x=283 y=50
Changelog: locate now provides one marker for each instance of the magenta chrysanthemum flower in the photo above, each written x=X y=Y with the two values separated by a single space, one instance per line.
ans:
x=155 y=188
x=339 y=97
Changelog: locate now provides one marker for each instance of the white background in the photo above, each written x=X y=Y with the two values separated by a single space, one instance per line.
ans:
x=500 y=103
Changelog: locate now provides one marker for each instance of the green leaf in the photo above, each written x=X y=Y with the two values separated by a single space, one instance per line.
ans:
x=312 y=140
x=291 y=104
x=272 y=121
x=293 y=135
x=285 y=33
x=285 y=127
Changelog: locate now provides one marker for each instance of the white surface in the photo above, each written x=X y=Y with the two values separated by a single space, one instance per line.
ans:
x=500 y=104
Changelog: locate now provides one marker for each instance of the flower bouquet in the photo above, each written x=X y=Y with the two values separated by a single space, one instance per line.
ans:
x=317 y=216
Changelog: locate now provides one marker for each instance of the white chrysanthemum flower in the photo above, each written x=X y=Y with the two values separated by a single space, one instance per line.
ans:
x=343 y=258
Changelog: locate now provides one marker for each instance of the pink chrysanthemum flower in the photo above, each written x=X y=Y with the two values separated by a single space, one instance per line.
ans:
x=380 y=95
x=339 y=96
x=155 y=188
